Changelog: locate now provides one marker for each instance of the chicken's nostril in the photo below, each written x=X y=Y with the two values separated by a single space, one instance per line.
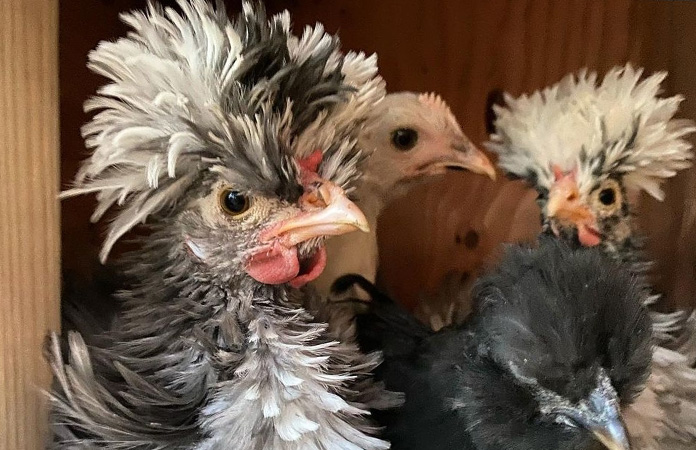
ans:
x=324 y=194
x=572 y=197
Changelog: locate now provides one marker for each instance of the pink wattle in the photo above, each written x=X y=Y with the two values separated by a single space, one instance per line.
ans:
x=276 y=266
x=281 y=265
x=588 y=236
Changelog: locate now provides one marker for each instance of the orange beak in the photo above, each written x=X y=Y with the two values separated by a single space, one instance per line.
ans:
x=566 y=208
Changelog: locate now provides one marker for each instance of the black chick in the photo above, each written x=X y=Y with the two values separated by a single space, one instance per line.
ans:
x=558 y=342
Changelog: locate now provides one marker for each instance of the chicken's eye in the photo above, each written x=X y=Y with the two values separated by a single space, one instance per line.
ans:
x=234 y=202
x=404 y=138
x=607 y=196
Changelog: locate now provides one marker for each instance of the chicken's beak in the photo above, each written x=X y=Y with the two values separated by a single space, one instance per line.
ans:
x=565 y=207
x=602 y=417
x=612 y=435
x=326 y=211
x=606 y=425
x=459 y=154
x=469 y=157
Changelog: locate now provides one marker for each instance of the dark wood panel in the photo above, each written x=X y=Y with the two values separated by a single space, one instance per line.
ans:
x=669 y=44
x=29 y=234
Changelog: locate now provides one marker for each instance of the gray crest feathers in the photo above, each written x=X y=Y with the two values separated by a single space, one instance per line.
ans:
x=192 y=92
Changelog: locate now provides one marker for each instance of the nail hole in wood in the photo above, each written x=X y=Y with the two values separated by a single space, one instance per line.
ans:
x=471 y=240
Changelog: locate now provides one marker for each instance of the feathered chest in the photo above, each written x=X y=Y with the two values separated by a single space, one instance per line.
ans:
x=285 y=387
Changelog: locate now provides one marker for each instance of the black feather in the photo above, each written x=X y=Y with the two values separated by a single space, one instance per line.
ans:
x=387 y=327
x=554 y=315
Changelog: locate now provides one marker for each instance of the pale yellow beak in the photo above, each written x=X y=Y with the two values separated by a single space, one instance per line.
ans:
x=326 y=211
x=470 y=157
x=613 y=437
x=459 y=154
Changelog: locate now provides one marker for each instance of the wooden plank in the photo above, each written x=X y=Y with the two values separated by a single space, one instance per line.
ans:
x=29 y=231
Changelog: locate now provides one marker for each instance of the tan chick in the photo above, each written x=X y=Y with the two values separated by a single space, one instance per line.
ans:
x=412 y=137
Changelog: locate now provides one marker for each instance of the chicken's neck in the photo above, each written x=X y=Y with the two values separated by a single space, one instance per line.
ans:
x=375 y=193
x=250 y=353
x=358 y=252
x=289 y=380
x=621 y=242
x=627 y=247
x=624 y=243
x=354 y=252
x=372 y=198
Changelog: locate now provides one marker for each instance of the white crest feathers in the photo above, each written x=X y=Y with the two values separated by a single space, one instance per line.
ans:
x=617 y=127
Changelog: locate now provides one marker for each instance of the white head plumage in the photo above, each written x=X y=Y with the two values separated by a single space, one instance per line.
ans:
x=617 y=127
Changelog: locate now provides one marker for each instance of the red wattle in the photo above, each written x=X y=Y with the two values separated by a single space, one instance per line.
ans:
x=311 y=269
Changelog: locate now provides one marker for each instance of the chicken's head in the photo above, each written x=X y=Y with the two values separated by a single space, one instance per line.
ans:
x=413 y=136
x=233 y=138
x=587 y=146
x=273 y=236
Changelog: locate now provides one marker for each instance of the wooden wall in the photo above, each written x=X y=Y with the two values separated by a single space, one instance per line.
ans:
x=464 y=50
x=29 y=234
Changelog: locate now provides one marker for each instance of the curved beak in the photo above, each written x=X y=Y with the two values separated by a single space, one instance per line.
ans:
x=565 y=207
x=457 y=154
x=612 y=434
x=326 y=211
x=465 y=155
x=469 y=157
x=601 y=416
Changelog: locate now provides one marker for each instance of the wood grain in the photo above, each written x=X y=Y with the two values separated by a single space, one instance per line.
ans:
x=671 y=225
x=29 y=230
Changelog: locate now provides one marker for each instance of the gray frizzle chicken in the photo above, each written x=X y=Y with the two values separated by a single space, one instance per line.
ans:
x=558 y=342
x=585 y=146
x=234 y=140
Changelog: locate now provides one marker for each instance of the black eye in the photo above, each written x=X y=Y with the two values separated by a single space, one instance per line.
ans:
x=234 y=202
x=607 y=196
x=405 y=138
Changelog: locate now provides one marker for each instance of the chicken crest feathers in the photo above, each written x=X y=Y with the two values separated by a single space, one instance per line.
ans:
x=618 y=126
x=439 y=107
x=192 y=93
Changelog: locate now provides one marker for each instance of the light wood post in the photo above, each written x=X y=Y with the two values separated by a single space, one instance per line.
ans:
x=29 y=213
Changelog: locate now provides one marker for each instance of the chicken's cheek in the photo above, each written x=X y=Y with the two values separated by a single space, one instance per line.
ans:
x=275 y=266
